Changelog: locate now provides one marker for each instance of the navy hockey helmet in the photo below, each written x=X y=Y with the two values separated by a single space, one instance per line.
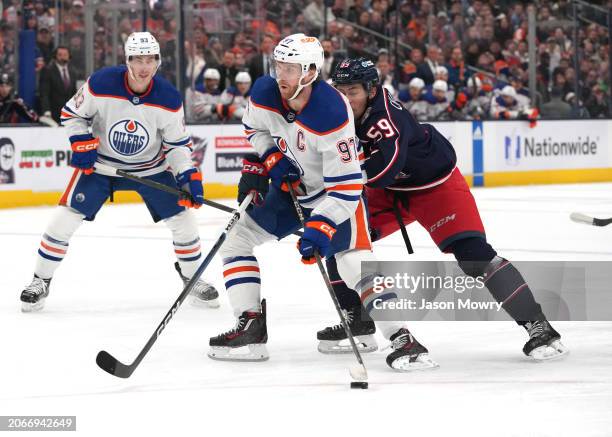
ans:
x=354 y=71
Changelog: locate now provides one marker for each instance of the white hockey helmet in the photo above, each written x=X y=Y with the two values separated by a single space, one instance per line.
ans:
x=212 y=73
x=417 y=82
x=243 y=77
x=442 y=70
x=508 y=91
x=300 y=49
x=141 y=44
x=474 y=81
x=440 y=85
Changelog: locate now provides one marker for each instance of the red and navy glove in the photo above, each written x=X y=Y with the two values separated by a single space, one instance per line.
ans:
x=84 y=152
x=253 y=179
x=318 y=233
x=281 y=170
x=191 y=180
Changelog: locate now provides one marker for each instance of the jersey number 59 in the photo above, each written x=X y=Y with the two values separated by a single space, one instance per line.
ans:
x=382 y=129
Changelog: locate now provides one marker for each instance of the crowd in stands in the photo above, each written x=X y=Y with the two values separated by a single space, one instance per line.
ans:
x=458 y=60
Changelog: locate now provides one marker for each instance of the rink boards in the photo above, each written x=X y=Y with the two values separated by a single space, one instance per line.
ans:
x=34 y=161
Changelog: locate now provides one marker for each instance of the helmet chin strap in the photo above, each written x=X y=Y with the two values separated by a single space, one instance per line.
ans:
x=302 y=86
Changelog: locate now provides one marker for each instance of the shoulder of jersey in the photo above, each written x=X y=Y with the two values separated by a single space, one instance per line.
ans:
x=265 y=93
x=110 y=82
x=326 y=111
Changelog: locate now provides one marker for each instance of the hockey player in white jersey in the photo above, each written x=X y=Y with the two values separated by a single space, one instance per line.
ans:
x=303 y=133
x=128 y=118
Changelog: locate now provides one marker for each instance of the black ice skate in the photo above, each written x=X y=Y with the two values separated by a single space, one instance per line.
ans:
x=202 y=293
x=408 y=354
x=34 y=295
x=246 y=342
x=544 y=342
x=333 y=339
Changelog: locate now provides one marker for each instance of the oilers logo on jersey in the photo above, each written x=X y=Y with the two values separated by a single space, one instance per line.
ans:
x=282 y=146
x=128 y=137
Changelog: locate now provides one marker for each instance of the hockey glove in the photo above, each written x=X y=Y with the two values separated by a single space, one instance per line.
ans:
x=254 y=179
x=281 y=170
x=84 y=152
x=191 y=180
x=318 y=233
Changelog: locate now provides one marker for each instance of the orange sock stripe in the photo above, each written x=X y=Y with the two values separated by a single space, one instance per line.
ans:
x=346 y=187
x=52 y=249
x=228 y=272
x=184 y=251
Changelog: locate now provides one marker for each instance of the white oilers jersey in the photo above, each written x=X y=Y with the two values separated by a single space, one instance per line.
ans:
x=142 y=134
x=320 y=141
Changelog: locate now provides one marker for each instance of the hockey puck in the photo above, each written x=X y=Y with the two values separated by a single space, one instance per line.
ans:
x=359 y=384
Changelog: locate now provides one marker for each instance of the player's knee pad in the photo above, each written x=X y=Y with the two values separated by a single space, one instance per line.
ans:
x=64 y=223
x=349 y=266
x=243 y=238
x=473 y=254
x=183 y=226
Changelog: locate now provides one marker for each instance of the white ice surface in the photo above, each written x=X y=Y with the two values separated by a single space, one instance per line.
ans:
x=118 y=281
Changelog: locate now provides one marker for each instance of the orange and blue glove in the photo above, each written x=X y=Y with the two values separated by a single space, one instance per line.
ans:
x=318 y=233
x=281 y=170
x=84 y=152
x=191 y=181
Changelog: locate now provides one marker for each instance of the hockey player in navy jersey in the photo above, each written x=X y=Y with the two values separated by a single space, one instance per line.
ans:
x=411 y=169
x=128 y=118
x=302 y=132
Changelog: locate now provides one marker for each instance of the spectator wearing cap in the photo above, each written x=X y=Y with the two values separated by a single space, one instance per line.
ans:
x=556 y=108
x=438 y=103
x=57 y=84
x=202 y=102
x=506 y=106
x=442 y=74
x=233 y=101
x=44 y=42
x=578 y=109
x=413 y=100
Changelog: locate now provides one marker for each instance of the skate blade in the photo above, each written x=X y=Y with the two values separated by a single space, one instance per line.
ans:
x=554 y=351
x=252 y=352
x=365 y=344
x=201 y=303
x=423 y=362
x=27 y=307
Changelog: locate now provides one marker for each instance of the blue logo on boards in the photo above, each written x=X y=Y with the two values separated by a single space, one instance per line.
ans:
x=128 y=137
x=512 y=149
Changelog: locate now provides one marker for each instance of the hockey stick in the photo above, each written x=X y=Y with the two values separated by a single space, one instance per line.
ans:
x=359 y=372
x=110 y=364
x=107 y=170
x=582 y=218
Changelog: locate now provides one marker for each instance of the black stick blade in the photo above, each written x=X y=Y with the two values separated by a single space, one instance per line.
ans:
x=110 y=364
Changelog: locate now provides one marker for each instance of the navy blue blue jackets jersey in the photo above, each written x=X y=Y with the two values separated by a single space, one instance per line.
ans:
x=401 y=153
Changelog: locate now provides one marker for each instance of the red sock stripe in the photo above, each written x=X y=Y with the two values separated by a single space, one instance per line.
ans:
x=228 y=272
x=52 y=249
